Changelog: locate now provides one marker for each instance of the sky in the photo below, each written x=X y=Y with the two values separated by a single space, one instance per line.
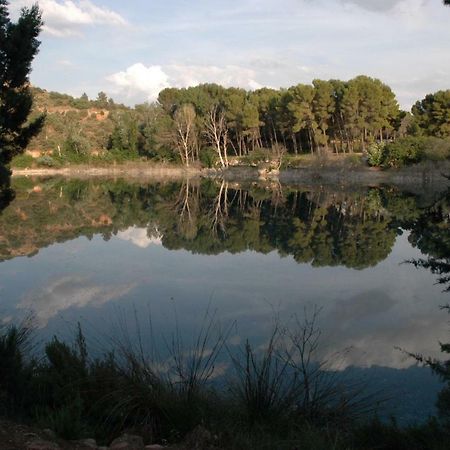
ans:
x=133 y=49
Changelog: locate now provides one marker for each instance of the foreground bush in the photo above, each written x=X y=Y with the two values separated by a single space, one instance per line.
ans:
x=278 y=398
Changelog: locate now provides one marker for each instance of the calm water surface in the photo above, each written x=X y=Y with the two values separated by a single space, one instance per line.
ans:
x=113 y=253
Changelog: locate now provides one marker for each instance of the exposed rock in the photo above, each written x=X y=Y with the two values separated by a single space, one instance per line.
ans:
x=50 y=434
x=127 y=442
x=90 y=443
x=42 y=445
x=200 y=439
x=31 y=436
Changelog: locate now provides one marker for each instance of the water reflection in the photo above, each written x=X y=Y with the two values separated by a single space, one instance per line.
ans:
x=321 y=227
x=252 y=249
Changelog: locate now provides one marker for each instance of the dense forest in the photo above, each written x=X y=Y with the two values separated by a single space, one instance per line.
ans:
x=217 y=126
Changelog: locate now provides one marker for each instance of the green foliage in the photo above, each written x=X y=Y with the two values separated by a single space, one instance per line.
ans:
x=437 y=149
x=375 y=153
x=18 y=47
x=432 y=114
x=411 y=150
x=47 y=161
x=208 y=157
x=15 y=368
x=278 y=399
x=124 y=137
x=22 y=161
x=353 y=160
x=76 y=144
x=327 y=116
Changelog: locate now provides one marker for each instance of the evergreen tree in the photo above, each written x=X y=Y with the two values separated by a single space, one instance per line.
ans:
x=18 y=47
x=432 y=114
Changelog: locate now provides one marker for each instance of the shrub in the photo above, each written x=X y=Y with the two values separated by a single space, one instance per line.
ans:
x=375 y=154
x=15 y=368
x=76 y=144
x=258 y=156
x=437 y=149
x=22 y=161
x=208 y=157
x=404 y=151
x=47 y=161
x=413 y=149
x=353 y=160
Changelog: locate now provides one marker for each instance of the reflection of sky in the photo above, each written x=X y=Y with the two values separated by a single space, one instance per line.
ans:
x=373 y=311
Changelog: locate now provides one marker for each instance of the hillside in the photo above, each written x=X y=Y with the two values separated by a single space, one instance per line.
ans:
x=79 y=122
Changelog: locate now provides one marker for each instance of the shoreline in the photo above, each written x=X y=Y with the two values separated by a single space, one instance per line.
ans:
x=418 y=176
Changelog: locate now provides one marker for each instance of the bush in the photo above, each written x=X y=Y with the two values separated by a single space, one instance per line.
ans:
x=76 y=144
x=437 y=149
x=375 y=153
x=353 y=160
x=47 y=161
x=257 y=156
x=208 y=157
x=414 y=149
x=409 y=150
x=22 y=161
x=15 y=368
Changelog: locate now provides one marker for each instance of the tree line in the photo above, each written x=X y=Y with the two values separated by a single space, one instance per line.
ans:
x=212 y=122
x=327 y=115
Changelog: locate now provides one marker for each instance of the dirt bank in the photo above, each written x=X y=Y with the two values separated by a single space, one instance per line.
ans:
x=122 y=171
x=414 y=177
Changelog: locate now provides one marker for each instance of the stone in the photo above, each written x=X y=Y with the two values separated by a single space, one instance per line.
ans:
x=31 y=436
x=91 y=443
x=42 y=445
x=49 y=434
x=127 y=442
x=199 y=439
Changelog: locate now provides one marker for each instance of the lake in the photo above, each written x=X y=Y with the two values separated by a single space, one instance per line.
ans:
x=143 y=259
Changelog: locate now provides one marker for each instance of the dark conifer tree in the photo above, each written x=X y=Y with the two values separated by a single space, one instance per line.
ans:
x=18 y=47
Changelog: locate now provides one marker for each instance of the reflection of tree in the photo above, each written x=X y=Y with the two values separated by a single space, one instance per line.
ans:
x=6 y=193
x=322 y=227
x=431 y=234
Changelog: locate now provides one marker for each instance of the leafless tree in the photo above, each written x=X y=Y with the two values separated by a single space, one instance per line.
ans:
x=184 y=132
x=217 y=133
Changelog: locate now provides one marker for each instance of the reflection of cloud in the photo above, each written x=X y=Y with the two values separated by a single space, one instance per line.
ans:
x=139 y=237
x=375 y=326
x=69 y=292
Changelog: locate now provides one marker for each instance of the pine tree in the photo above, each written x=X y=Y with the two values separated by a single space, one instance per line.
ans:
x=18 y=47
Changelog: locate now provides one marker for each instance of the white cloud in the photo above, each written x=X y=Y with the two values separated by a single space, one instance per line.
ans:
x=139 y=81
x=377 y=5
x=69 y=292
x=230 y=75
x=67 y=17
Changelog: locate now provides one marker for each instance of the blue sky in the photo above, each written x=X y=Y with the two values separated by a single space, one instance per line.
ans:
x=133 y=49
